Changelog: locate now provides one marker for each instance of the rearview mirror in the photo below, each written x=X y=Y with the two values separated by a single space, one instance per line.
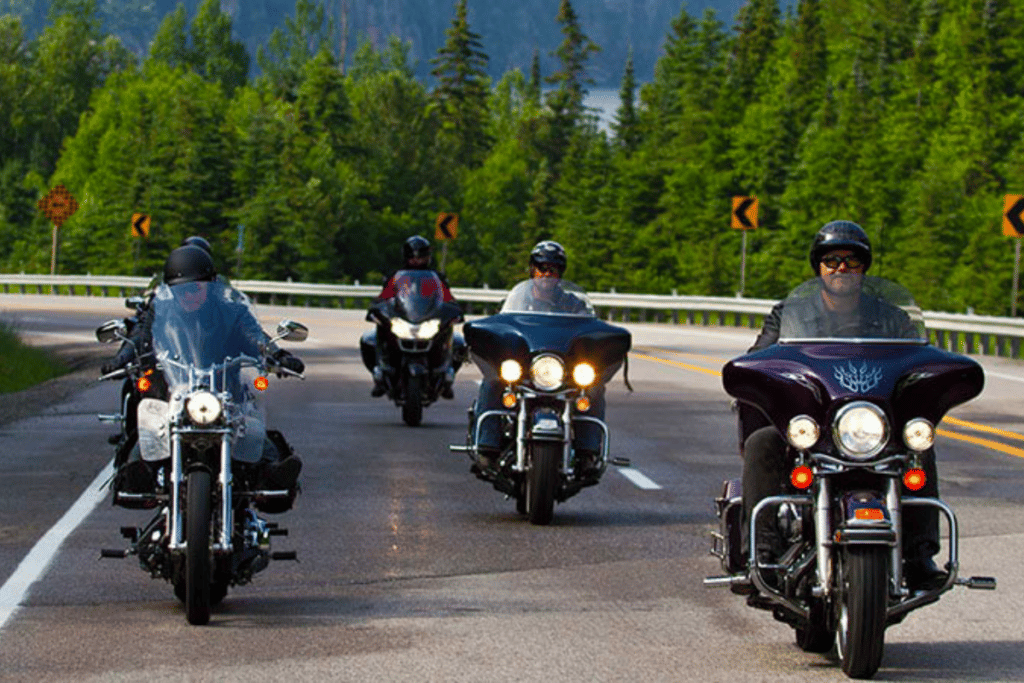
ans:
x=134 y=302
x=111 y=331
x=289 y=330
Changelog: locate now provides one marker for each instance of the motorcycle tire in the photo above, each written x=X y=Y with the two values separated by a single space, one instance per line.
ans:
x=541 y=481
x=197 y=548
x=863 y=599
x=412 y=407
x=818 y=635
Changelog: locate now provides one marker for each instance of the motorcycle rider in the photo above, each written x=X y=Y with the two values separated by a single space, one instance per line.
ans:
x=279 y=468
x=840 y=255
x=548 y=262
x=416 y=254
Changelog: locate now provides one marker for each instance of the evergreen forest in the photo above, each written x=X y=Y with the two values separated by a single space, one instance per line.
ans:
x=906 y=116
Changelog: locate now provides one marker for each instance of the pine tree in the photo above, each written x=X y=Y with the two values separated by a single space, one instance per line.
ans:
x=566 y=100
x=463 y=89
x=626 y=125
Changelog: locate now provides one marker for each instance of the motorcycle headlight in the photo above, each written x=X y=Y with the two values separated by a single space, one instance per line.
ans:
x=547 y=372
x=511 y=370
x=584 y=374
x=860 y=430
x=203 y=408
x=803 y=432
x=919 y=434
x=403 y=329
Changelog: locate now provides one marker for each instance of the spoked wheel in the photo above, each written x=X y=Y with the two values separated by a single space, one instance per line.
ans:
x=863 y=599
x=412 y=408
x=541 y=480
x=197 y=548
x=818 y=635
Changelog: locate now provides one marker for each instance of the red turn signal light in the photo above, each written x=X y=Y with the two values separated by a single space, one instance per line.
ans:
x=144 y=384
x=261 y=383
x=802 y=477
x=869 y=513
x=914 y=479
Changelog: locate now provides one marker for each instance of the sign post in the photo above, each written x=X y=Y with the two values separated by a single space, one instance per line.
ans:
x=58 y=206
x=1013 y=226
x=744 y=217
x=446 y=228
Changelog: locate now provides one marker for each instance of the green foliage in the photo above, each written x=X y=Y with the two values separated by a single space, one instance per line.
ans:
x=902 y=115
x=24 y=366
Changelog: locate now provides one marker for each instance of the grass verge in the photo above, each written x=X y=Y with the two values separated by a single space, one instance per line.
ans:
x=24 y=366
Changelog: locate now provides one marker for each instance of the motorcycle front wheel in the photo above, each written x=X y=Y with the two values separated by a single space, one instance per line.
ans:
x=197 y=548
x=412 y=407
x=541 y=481
x=863 y=600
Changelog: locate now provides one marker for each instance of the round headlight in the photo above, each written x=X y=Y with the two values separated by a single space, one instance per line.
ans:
x=803 y=432
x=203 y=407
x=584 y=374
x=547 y=372
x=860 y=430
x=511 y=370
x=919 y=434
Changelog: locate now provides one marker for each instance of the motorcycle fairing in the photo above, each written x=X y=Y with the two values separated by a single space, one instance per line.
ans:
x=922 y=380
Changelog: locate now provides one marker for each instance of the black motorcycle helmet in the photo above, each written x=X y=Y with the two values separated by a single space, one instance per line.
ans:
x=416 y=247
x=840 y=235
x=188 y=264
x=549 y=253
x=197 y=241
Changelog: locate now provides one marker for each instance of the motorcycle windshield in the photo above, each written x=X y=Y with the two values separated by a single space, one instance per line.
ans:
x=419 y=295
x=549 y=295
x=197 y=325
x=851 y=308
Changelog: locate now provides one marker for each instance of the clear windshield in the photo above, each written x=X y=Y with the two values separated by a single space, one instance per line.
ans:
x=851 y=307
x=418 y=294
x=548 y=295
x=198 y=325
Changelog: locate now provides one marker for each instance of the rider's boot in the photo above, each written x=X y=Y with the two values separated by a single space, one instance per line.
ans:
x=446 y=384
x=379 y=386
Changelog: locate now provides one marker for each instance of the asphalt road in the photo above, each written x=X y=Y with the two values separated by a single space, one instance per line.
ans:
x=411 y=569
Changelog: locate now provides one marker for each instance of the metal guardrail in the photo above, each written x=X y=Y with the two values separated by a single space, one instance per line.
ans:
x=987 y=335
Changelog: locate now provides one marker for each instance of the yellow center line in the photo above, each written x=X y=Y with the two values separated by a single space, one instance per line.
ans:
x=657 y=349
x=713 y=373
x=987 y=443
x=983 y=428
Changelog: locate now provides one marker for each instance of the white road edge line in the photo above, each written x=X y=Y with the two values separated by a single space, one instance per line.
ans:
x=39 y=558
x=638 y=478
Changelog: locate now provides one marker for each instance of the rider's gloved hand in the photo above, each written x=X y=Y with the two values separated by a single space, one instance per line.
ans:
x=288 y=361
x=109 y=367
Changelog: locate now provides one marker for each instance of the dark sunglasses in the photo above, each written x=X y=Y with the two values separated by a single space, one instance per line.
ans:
x=852 y=261
x=547 y=268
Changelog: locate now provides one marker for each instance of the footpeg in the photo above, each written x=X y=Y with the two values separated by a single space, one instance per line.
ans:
x=621 y=462
x=284 y=555
x=985 y=583
x=113 y=553
x=275 y=531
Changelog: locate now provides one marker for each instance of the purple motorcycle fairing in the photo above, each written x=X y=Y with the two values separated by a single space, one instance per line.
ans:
x=906 y=380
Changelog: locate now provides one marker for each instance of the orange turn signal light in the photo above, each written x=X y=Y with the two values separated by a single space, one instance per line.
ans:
x=508 y=400
x=802 y=477
x=144 y=384
x=914 y=479
x=583 y=404
x=869 y=513
x=261 y=383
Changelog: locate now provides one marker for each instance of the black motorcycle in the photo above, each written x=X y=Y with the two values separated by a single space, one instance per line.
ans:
x=196 y=453
x=550 y=358
x=857 y=408
x=420 y=348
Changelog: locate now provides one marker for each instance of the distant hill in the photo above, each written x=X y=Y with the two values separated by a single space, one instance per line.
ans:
x=510 y=29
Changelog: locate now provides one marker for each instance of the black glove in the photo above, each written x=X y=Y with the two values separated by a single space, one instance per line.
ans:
x=288 y=361
x=109 y=367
